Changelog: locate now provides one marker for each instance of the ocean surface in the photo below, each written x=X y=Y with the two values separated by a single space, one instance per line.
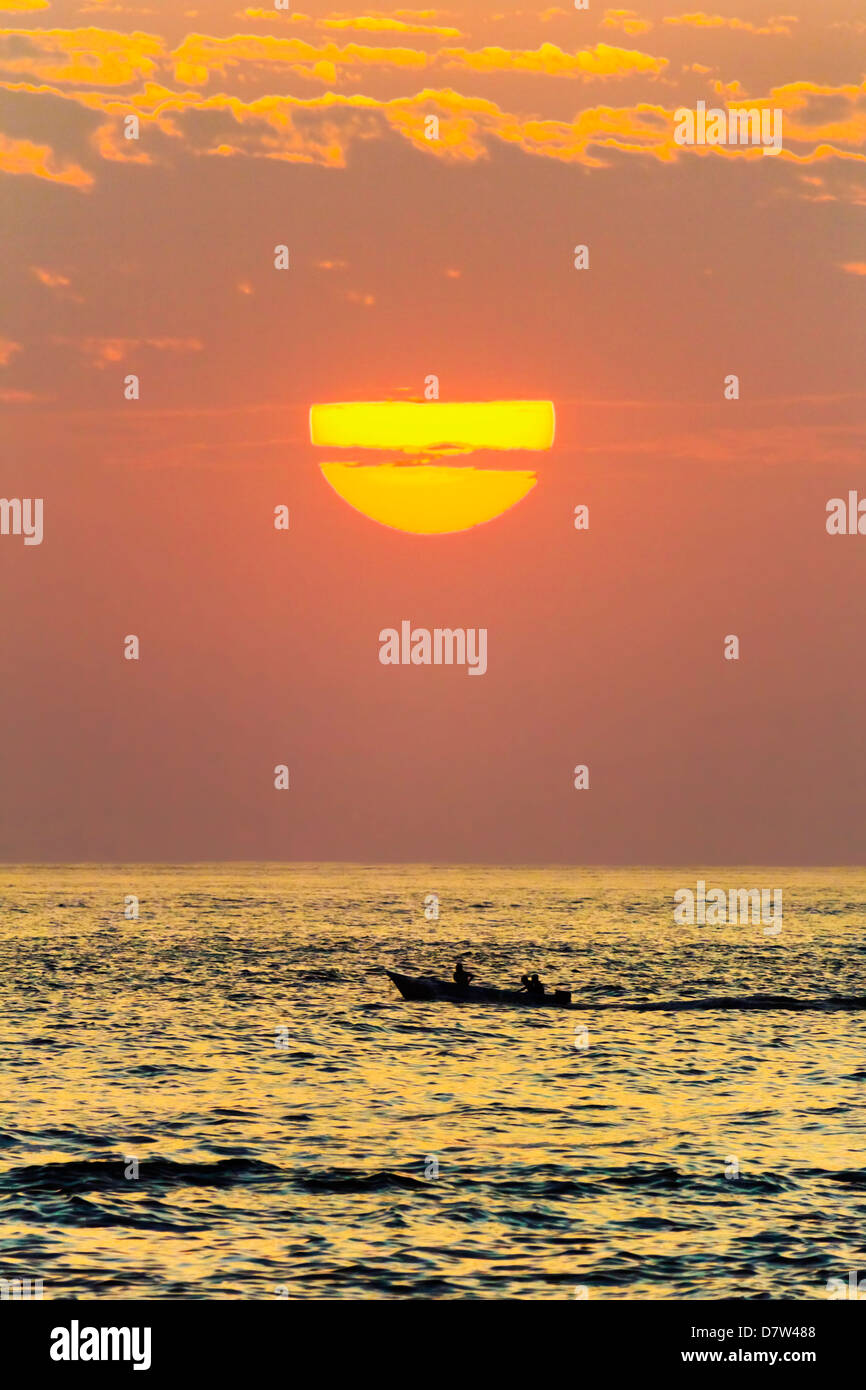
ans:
x=300 y=1131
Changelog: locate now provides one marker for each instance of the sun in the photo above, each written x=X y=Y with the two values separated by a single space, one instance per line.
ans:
x=428 y=500
x=417 y=493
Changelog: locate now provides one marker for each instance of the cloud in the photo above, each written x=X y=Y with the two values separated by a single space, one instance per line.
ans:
x=55 y=280
x=819 y=113
x=107 y=7
x=254 y=12
x=105 y=352
x=378 y=22
x=40 y=161
x=200 y=56
x=820 y=122
x=627 y=20
x=52 y=278
x=771 y=445
x=102 y=57
x=601 y=61
x=8 y=349
x=323 y=129
x=776 y=24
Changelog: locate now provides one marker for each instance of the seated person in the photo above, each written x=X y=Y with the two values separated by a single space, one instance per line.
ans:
x=461 y=977
x=531 y=984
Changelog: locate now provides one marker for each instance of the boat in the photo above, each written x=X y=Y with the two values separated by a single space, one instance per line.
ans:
x=429 y=987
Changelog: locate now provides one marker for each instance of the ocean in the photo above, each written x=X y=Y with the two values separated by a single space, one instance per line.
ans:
x=225 y=1098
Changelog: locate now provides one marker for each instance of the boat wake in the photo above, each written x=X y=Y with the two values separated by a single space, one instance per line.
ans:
x=744 y=1001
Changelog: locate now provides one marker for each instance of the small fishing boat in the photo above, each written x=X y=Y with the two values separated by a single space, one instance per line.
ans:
x=429 y=987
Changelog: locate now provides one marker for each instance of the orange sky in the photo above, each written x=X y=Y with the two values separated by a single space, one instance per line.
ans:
x=411 y=257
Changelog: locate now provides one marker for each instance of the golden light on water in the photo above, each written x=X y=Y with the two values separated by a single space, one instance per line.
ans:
x=264 y=1165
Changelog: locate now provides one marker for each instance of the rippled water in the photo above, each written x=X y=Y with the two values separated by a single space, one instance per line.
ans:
x=379 y=1148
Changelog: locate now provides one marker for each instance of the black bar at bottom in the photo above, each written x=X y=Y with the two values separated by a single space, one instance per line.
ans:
x=226 y=1339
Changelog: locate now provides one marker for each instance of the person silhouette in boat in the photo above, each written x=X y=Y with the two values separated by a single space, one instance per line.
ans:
x=530 y=984
x=462 y=977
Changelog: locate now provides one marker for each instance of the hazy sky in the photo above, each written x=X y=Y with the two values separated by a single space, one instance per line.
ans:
x=410 y=257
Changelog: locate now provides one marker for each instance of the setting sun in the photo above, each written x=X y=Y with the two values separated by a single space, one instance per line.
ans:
x=411 y=426
x=428 y=497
